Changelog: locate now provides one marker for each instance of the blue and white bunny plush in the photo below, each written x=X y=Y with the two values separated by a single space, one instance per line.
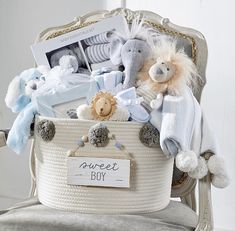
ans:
x=25 y=90
x=22 y=87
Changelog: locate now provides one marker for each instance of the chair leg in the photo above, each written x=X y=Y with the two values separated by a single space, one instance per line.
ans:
x=190 y=200
x=205 y=205
x=32 y=191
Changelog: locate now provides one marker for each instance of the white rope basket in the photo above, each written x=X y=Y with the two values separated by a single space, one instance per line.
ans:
x=150 y=179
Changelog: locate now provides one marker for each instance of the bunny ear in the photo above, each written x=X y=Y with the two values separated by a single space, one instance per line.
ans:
x=20 y=103
x=115 y=49
x=13 y=92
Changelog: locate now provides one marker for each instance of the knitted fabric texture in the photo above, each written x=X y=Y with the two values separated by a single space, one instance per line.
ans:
x=98 y=53
x=98 y=135
x=149 y=135
x=98 y=39
x=46 y=130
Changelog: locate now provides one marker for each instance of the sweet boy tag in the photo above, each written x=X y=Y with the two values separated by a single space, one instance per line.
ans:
x=94 y=171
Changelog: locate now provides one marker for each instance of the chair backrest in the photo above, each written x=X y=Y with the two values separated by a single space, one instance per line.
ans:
x=193 y=42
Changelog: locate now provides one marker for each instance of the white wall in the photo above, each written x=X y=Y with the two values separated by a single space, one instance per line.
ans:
x=216 y=20
x=20 y=22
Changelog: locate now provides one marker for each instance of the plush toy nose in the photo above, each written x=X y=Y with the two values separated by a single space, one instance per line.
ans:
x=33 y=86
x=159 y=71
x=121 y=68
x=101 y=111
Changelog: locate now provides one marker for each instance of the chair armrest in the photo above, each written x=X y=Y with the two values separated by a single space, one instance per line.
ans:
x=205 y=222
x=3 y=137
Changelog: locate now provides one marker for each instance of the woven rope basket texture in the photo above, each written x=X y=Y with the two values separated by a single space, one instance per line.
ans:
x=150 y=178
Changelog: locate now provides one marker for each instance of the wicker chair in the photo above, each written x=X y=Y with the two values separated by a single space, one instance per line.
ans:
x=183 y=186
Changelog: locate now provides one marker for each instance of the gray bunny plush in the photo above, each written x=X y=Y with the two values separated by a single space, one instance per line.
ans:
x=131 y=50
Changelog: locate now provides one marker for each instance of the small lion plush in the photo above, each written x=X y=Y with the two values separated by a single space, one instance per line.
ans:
x=103 y=107
x=171 y=73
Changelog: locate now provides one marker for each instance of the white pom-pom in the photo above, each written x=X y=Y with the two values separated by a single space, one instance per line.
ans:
x=216 y=165
x=186 y=161
x=84 y=112
x=69 y=62
x=200 y=171
x=220 y=181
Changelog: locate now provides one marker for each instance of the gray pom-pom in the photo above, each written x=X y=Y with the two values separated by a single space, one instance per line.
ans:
x=46 y=129
x=149 y=135
x=98 y=135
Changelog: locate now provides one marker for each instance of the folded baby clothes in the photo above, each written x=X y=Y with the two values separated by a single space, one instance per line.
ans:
x=98 y=39
x=107 y=63
x=98 y=53
x=105 y=80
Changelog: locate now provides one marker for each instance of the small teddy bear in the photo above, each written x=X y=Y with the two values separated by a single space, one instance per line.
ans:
x=23 y=86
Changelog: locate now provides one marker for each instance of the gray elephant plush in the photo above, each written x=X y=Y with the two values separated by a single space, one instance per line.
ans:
x=131 y=50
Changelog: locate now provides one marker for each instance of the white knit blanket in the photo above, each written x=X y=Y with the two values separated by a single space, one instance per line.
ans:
x=183 y=126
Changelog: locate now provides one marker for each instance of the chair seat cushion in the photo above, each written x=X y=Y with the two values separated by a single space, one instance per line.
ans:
x=31 y=215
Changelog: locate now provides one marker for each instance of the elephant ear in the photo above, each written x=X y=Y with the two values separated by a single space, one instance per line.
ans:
x=116 y=45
